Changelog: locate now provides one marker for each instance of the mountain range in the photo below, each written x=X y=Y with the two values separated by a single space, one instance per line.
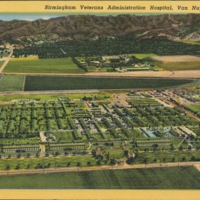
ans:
x=80 y=27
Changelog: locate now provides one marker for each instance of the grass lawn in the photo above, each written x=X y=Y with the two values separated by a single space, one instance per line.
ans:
x=35 y=65
x=180 y=65
x=143 y=55
x=12 y=83
x=54 y=97
x=195 y=108
x=1 y=63
x=38 y=83
x=54 y=162
x=64 y=136
x=155 y=178
x=172 y=156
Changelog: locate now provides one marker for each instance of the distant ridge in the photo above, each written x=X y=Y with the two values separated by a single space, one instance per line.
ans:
x=82 y=27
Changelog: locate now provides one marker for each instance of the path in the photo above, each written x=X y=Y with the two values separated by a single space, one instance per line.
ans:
x=6 y=61
x=138 y=74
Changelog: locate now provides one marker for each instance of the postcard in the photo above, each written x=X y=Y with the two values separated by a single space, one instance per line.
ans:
x=100 y=100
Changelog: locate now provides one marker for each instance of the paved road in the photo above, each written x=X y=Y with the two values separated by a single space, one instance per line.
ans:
x=95 y=168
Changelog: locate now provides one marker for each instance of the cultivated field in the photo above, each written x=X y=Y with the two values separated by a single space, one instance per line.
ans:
x=154 y=178
x=178 y=62
x=175 y=66
x=35 y=65
x=11 y=83
x=38 y=83
x=172 y=58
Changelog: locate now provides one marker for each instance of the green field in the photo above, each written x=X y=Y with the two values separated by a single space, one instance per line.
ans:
x=157 y=178
x=195 y=108
x=11 y=83
x=35 y=65
x=48 y=97
x=1 y=63
x=180 y=65
x=38 y=83
x=142 y=55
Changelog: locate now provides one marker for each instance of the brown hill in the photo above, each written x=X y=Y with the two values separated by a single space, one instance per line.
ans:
x=88 y=26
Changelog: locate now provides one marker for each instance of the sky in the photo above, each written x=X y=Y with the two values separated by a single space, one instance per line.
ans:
x=34 y=16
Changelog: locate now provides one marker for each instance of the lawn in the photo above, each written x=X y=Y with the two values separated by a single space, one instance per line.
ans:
x=12 y=83
x=53 y=162
x=195 y=108
x=40 y=83
x=180 y=65
x=43 y=97
x=1 y=63
x=142 y=56
x=155 y=178
x=35 y=65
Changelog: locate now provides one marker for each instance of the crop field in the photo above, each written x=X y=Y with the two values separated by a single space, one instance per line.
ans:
x=178 y=58
x=11 y=83
x=190 y=65
x=157 y=178
x=39 y=83
x=35 y=65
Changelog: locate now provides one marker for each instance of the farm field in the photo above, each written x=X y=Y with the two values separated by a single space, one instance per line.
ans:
x=35 y=65
x=38 y=83
x=178 y=58
x=175 y=66
x=12 y=83
x=155 y=178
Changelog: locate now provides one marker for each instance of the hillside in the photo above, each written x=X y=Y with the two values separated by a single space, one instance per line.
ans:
x=82 y=27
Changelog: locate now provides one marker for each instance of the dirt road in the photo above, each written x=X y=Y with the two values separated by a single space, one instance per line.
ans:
x=6 y=62
x=142 y=74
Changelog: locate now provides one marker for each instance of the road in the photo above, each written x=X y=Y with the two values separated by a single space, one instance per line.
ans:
x=95 y=168
x=138 y=74
x=6 y=62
